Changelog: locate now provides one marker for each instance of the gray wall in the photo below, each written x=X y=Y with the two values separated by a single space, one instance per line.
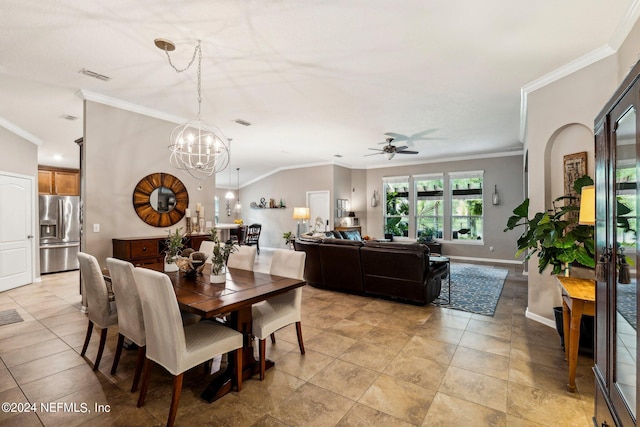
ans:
x=357 y=186
x=505 y=172
x=120 y=148
x=291 y=185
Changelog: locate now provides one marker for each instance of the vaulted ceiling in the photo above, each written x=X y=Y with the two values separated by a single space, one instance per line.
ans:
x=316 y=79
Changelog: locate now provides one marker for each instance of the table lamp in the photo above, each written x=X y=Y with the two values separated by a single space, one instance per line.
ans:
x=587 y=205
x=301 y=214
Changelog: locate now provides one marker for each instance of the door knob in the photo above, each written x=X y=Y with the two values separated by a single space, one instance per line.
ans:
x=29 y=237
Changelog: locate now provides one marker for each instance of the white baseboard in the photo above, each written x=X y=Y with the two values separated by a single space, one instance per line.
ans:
x=540 y=319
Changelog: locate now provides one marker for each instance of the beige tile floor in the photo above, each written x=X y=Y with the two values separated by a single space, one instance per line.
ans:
x=368 y=362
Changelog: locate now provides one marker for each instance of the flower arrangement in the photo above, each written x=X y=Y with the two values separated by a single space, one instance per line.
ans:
x=238 y=221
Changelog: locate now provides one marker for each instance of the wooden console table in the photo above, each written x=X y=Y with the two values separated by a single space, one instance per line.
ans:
x=150 y=251
x=578 y=298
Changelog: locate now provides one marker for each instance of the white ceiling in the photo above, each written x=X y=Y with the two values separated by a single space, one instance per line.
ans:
x=315 y=78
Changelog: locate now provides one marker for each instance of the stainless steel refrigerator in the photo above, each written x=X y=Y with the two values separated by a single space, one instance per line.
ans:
x=59 y=233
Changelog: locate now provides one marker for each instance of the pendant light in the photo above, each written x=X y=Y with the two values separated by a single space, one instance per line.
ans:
x=238 y=205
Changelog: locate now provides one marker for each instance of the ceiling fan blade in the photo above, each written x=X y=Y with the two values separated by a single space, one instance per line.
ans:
x=375 y=149
x=402 y=147
x=373 y=154
x=397 y=136
x=407 y=152
x=420 y=135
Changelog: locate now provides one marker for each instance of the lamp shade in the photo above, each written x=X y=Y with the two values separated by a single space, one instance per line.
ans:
x=301 y=213
x=587 y=206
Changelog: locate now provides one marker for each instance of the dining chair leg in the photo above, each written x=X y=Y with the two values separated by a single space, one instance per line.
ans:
x=273 y=338
x=116 y=358
x=239 y=355
x=175 y=398
x=103 y=340
x=142 y=352
x=263 y=357
x=148 y=365
x=87 y=338
x=299 y=332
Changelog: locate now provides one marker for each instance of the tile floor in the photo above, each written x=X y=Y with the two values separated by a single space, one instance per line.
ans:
x=368 y=362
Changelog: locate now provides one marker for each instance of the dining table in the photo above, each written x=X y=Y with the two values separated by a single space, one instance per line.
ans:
x=233 y=300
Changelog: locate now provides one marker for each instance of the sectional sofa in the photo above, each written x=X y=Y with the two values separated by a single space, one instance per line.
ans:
x=388 y=270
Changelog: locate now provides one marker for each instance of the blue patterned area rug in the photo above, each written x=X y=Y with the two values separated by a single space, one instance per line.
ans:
x=474 y=288
x=627 y=302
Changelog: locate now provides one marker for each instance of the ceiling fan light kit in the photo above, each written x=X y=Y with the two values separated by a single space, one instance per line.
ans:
x=196 y=148
x=390 y=150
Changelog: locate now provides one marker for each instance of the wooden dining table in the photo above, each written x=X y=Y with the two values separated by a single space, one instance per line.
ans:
x=233 y=299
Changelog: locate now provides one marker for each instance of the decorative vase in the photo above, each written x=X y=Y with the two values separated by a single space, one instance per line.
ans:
x=219 y=278
x=170 y=264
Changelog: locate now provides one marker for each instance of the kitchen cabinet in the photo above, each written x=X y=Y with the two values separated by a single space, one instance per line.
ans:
x=61 y=182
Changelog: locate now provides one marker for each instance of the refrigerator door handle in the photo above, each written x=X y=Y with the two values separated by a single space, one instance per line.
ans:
x=61 y=226
x=70 y=245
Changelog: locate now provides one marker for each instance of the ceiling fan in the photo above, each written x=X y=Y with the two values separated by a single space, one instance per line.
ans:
x=391 y=150
x=410 y=139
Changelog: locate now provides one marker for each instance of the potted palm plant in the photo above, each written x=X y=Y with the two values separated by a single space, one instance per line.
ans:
x=174 y=243
x=219 y=257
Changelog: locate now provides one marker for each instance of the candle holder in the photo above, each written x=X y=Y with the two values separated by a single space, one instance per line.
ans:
x=188 y=225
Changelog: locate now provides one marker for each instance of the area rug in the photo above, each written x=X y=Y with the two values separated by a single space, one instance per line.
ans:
x=9 y=316
x=627 y=302
x=474 y=288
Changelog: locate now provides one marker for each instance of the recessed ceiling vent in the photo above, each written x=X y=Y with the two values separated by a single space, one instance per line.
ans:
x=242 y=122
x=95 y=75
x=337 y=155
x=69 y=117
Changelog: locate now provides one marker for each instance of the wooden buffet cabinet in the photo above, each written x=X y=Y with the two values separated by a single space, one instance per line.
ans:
x=58 y=181
x=617 y=145
x=149 y=251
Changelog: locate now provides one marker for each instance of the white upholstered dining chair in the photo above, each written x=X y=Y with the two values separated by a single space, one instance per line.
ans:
x=101 y=311
x=243 y=258
x=206 y=247
x=176 y=347
x=277 y=312
x=130 y=320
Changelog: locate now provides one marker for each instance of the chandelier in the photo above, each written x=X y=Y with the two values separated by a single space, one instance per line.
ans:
x=196 y=148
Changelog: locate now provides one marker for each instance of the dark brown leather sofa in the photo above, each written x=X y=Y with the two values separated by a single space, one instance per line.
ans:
x=388 y=270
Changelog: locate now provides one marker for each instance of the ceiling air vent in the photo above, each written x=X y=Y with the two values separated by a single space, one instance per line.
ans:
x=69 y=117
x=242 y=122
x=95 y=75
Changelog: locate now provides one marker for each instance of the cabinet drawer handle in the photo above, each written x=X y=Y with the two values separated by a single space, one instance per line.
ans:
x=144 y=248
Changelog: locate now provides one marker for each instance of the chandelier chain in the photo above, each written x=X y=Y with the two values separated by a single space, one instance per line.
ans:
x=198 y=51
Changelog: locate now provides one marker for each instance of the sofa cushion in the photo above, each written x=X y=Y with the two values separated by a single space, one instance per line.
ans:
x=415 y=247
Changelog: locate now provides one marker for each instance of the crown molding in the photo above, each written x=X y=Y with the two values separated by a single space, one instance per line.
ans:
x=620 y=34
x=453 y=159
x=128 y=106
x=13 y=128
x=625 y=26
x=557 y=74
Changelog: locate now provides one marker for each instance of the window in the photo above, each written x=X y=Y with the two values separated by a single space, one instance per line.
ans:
x=466 y=205
x=429 y=213
x=396 y=208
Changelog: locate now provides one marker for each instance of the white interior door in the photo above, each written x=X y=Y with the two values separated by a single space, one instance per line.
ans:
x=16 y=231
x=319 y=204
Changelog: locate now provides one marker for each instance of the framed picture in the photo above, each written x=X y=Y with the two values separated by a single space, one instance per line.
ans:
x=575 y=166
